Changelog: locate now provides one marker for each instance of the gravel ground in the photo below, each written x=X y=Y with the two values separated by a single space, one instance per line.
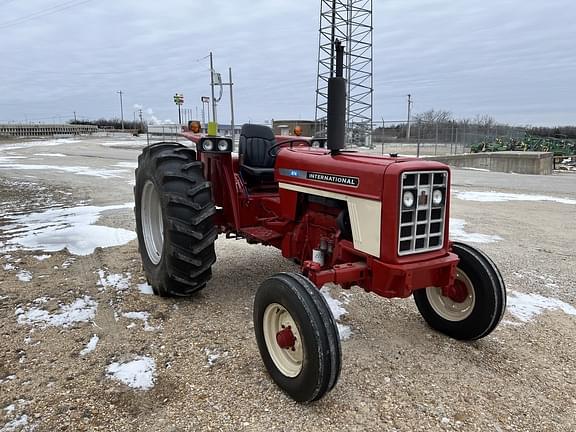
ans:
x=397 y=373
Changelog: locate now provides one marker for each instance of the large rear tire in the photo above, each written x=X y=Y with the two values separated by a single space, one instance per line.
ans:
x=297 y=336
x=478 y=303
x=174 y=208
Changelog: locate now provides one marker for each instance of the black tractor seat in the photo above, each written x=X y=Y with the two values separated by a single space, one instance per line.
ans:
x=256 y=164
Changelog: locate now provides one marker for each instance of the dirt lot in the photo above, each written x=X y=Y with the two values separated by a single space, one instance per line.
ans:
x=77 y=324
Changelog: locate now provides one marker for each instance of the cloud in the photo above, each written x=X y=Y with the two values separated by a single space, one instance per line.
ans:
x=508 y=58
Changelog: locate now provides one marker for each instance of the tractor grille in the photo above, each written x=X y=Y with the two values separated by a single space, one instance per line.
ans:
x=422 y=224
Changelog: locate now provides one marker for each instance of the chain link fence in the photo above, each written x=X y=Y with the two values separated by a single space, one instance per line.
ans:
x=435 y=138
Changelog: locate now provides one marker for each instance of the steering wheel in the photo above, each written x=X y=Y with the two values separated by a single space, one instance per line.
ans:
x=290 y=141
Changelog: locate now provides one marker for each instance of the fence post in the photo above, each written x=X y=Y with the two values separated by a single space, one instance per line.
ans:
x=436 y=143
x=418 y=139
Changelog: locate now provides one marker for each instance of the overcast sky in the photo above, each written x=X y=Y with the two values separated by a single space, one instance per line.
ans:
x=512 y=59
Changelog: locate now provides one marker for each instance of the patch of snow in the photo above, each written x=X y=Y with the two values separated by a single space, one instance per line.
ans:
x=334 y=304
x=7 y=159
x=50 y=154
x=143 y=316
x=80 y=310
x=90 y=346
x=132 y=165
x=24 y=276
x=111 y=280
x=474 y=169
x=144 y=288
x=525 y=307
x=8 y=267
x=138 y=144
x=138 y=373
x=42 y=257
x=68 y=262
x=80 y=170
x=457 y=232
x=337 y=311
x=8 y=378
x=58 y=228
x=41 y=300
x=212 y=355
x=39 y=143
x=10 y=408
x=503 y=197
x=17 y=424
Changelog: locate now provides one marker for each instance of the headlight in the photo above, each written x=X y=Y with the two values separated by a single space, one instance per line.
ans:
x=207 y=145
x=437 y=197
x=408 y=199
x=223 y=145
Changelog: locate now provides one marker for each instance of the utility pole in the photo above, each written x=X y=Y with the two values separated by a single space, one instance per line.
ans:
x=141 y=124
x=75 y=117
x=214 y=119
x=231 y=84
x=121 y=109
x=409 y=112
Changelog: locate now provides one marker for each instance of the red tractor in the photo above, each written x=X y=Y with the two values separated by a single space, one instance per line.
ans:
x=380 y=223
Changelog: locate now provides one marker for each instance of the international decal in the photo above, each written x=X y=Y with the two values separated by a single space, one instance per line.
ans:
x=335 y=179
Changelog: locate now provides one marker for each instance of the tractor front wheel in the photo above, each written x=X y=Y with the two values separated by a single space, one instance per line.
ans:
x=297 y=336
x=476 y=304
x=173 y=209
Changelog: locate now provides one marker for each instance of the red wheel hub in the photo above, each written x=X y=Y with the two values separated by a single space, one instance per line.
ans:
x=459 y=292
x=285 y=338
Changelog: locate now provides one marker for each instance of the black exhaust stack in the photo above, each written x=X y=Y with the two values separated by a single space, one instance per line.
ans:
x=336 y=130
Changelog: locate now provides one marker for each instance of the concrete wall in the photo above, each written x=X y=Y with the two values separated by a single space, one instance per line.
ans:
x=507 y=161
x=27 y=130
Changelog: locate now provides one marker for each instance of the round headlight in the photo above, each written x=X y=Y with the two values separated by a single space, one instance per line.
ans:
x=208 y=145
x=315 y=144
x=437 y=197
x=408 y=199
x=222 y=145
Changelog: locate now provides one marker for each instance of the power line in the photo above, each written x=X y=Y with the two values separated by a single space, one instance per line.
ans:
x=44 y=12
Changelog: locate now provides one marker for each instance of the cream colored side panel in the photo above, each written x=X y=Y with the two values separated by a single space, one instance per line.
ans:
x=365 y=217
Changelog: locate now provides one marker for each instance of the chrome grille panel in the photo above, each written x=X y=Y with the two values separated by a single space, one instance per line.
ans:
x=421 y=227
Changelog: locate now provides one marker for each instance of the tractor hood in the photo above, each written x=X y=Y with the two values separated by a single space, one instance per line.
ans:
x=349 y=173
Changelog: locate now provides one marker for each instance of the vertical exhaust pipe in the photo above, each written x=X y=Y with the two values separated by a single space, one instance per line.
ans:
x=336 y=129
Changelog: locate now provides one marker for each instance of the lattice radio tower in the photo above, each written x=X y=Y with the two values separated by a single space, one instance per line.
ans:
x=350 y=21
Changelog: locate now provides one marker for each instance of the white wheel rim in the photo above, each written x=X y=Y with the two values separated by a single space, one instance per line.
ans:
x=287 y=360
x=152 y=224
x=449 y=309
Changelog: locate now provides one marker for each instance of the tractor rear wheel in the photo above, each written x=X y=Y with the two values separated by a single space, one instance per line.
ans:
x=477 y=303
x=297 y=336
x=174 y=208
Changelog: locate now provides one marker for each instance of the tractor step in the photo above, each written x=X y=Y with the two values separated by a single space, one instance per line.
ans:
x=260 y=234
